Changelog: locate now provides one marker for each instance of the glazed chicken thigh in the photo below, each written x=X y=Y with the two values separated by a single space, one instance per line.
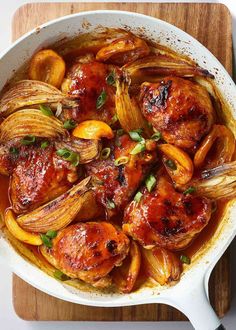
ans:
x=165 y=217
x=87 y=82
x=180 y=109
x=118 y=183
x=89 y=251
x=38 y=176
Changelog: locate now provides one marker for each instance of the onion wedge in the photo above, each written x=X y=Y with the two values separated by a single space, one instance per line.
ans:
x=162 y=265
x=216 y=183
x=26 y=93
x=59 y=212
x=127 y=108
x=30 y=122
x=153 y=68
x=88 y=150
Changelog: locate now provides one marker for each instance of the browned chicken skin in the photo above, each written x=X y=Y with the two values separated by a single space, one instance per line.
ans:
x=180 y=109
x=89 y=251
x=165 y=217
x=86 y=82
x=118 y=183
x=38 y=176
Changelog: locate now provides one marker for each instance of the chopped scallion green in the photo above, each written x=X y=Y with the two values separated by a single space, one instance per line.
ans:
x=69 y=124
x=45 y=110
x=101 y=99
x=105 y=153
x=46 y=240
x=69 y=155
x=60 y=276
x=156 y=136
x=171 y=164
x=44 y=144
x=138 y=197
x=28 y=139
x=110 y=79
x=110 y=204
x=138 y=148
x=14 y=151
x=190 y=190
x=135 y=136
x=51 y=233
x=185 y=259
x=121 y=160
x=150 y=182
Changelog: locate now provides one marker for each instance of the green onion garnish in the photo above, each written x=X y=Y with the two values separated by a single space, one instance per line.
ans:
x=46 y=240
x=156 y=136
x=185 y=259
x=46 y=110
x=14 y=151
x=60 y=276
x=51 y=233
x=110 y=79
x=171 y=164
x=101 y=99
x=28 y=139
x=138 y=148
x=44 y=144
x=114 y=119
x=135 y=136
x=190 y=190
x=110 y=204
x=120 y=132
x=150 y=182
x=69 y=155
x=138 y=197
x=105 y=153
x=121 y=160
x=69 y=124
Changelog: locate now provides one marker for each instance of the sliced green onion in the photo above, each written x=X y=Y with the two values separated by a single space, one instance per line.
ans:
x=185 y=259
x=46 y=240
x=190 y=190
x=110 y=79
x=156 y=136
x=114 y=119
x=171 y=164
x=120 y=132
x=105 y=153
x=69 y=124
x=121 y=160
x=135 y=136
x=138 y=148
x=69 y=155
x=28 y=139
x=44 y=144
x=60 y=276
x=150 y=182
x=51 y=233
x=110 y=204
x=14 y=151
x=101 y=99
x=46 y=110
x=138 y=197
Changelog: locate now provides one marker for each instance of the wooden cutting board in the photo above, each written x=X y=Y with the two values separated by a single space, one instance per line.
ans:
x=205 y=22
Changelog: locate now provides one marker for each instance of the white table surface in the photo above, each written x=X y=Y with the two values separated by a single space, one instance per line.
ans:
x=8 y=319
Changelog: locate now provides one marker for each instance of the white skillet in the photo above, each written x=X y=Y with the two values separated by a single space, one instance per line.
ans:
x=190 y=295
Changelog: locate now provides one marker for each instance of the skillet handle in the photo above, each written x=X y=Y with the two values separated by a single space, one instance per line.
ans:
x=194 y=303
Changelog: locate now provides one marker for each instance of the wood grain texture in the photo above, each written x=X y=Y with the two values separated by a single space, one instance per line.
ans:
x=205 y=22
